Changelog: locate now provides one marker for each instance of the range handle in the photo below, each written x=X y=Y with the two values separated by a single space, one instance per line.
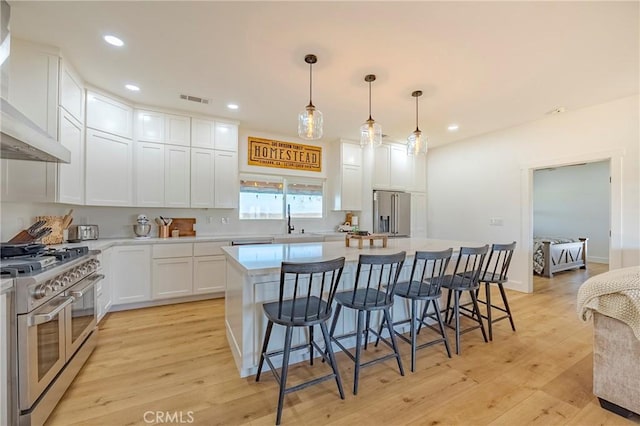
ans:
x=92 y=280
x=49 y=316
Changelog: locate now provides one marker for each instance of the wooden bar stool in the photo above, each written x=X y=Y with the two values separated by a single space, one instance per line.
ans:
x=313 y=286
x=375 y=282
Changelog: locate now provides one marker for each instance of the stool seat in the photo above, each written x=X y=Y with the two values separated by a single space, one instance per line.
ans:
x=366 y=299
x=459 y=282
x=298 y=313
x=419 y=290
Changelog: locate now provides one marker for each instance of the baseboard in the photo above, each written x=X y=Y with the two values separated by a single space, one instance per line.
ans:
x=597 y=259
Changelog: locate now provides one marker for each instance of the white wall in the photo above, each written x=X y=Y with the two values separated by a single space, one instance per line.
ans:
x=573 y=201
x=481 y=178
x=118 y=221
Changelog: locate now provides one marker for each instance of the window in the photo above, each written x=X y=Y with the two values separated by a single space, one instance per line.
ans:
x=267 y=197
x=305 y=199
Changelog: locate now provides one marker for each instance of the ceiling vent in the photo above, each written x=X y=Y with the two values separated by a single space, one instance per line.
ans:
x=195 y=99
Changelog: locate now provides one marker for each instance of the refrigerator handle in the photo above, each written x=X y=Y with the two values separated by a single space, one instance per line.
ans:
x=392 y=225
x=376 y=220
x=396 y=214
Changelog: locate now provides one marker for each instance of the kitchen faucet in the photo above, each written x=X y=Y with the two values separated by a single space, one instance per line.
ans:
x=289 y=227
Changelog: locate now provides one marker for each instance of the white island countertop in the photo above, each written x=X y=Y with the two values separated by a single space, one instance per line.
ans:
x=266 y=259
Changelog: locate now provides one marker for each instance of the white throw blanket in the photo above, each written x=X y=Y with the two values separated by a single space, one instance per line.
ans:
x=615 y=294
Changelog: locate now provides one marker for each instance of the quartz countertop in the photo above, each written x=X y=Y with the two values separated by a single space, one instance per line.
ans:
x=266 y=259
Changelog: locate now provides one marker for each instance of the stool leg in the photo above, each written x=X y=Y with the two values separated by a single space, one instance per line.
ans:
x=456 y=313
x=506 y=306
x=285 y=370
x=412 y=330
x=366 y=330
x=487 y=288
x=387 y=315
x=477 y=308
x=441 y=325
x=448 y=319
x=265 y=343
x=334 y=322
x=332 y=358
x=356 y=372
x=311 y=344
x=380 y=331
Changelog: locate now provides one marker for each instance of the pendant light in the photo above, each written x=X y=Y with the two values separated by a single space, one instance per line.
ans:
x=310 y=120
x=370 y=131
x=416 y=142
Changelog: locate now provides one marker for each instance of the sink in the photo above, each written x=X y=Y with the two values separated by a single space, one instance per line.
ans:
x=297 y=238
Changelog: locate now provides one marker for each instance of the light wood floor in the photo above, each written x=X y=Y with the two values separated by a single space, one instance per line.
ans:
x=176 y=359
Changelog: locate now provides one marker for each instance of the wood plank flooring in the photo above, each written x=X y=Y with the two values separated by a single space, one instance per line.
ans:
x=175 y=359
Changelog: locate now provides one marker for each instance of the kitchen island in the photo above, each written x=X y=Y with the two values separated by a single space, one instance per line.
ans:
x=253 y=277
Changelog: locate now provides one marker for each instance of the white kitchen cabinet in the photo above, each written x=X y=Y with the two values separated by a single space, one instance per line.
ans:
x=392 y=168
x=349 y=186
x=226 y=136
x=203 y=133
x=104 y=296
x=172 y=270
x=418 y=181
x=71 y=176
x=177 y=176
x=177 y=130
x=109 y=169
x=28 y=181
x=226 y=190
x=109 y=115
x=209 y=267
x=149 y=169
x=149 y=126
x=418 y=215
x=172 y=277
x=71 y=91
x=202 y=178
x=131 y=272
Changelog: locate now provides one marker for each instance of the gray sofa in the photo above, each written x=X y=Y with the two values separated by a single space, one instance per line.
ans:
x=616 y=365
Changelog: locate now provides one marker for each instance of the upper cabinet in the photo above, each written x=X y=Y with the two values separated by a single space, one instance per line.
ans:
x=157 y=127
x=71 y=176
x=214 y=135
x=393 y=168
x=109 y=115
x=349 y=187
x=71 y=91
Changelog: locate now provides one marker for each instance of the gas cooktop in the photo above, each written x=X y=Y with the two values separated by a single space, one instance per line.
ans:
x=24 y=264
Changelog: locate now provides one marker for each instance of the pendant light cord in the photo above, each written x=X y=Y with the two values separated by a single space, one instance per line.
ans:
x=417 y=129
x=310 y=82
x=370 y=119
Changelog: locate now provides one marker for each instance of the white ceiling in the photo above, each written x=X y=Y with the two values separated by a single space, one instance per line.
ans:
x=482 y=65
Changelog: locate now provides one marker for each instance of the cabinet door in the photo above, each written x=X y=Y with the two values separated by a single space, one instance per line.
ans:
x=71 y=91
x=109 y=115
x=351 y=194
x=109 y=171
x=202 y=133
x=226 y=180
x=149 y=167
x=71 y=176
x=226 y=136
x=400 y=168
x=149 y=126
x=28 y=181
x=351 y=154
x=104 y=295
x=172 y=277
x=381 y=173
x=209 y=274
x=176 y=176
x=418 y=177
x=202 y=177
x=33 y=86
x=177 y=130
x=131 y=272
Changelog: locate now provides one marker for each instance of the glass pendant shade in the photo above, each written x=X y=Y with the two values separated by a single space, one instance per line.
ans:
x=370 y=134
x=310 y=120
x=310 y=123
x=370 y=131
x=416 y=142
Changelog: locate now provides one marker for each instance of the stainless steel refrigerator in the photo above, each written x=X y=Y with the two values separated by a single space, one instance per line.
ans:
x=392 y=213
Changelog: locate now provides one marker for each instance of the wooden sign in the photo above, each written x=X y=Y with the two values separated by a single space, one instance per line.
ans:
x=284 y=155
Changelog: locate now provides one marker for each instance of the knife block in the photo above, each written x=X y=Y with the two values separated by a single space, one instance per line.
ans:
x=55 y=223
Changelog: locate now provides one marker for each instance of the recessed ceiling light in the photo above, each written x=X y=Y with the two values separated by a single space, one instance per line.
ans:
x=113 y=40
x=453 y=127
x=232 y=106
x=132 y=87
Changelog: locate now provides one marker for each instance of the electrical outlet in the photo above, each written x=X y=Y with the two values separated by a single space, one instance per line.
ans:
x=210 y=219
x=20 y=224
x=224 y=220
x=496 y=221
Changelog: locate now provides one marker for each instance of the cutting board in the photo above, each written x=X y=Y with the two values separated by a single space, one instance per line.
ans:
x=56 y=224
x=186 y=226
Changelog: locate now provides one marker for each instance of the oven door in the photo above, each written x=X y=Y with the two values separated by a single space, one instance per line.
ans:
x=41 y=348
x=82 y=315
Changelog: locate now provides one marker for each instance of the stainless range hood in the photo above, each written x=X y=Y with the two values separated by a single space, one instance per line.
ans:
x=21 y=138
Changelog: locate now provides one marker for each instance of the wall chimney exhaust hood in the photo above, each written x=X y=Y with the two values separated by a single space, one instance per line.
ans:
x=21 y=138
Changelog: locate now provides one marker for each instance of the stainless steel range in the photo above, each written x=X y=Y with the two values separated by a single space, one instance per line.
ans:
x=55 y=305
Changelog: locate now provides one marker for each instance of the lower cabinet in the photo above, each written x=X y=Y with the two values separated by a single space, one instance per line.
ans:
x=104 y=296
x=209 y=274
x=172 y=277
x=131 y=273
